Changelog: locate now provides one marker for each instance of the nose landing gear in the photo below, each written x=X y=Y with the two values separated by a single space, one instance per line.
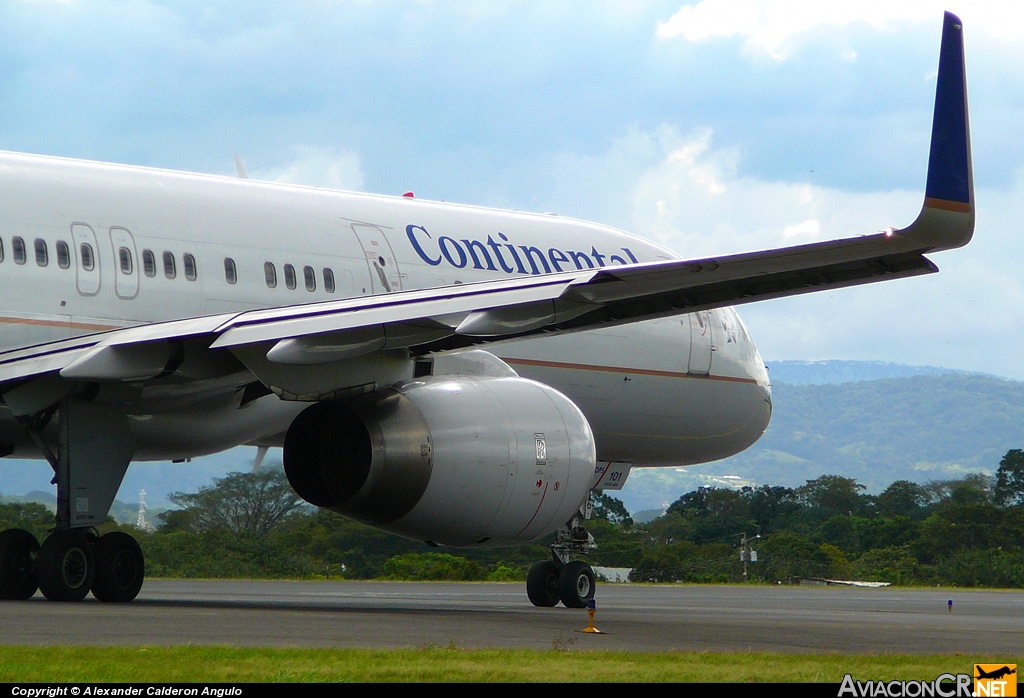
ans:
x=559 y=579
x=573 y=584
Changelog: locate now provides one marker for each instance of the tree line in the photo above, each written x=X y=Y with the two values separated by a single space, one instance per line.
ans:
x=964 y=532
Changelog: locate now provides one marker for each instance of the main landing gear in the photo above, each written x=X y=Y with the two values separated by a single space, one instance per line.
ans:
x=69 y=564
x=94 y=448
x=18 y=552
x=559 y=579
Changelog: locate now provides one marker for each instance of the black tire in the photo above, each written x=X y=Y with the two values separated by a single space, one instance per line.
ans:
x=120 y=568
x=542 y=584
x=18 y=547
x=65 y=566
x=576 y=584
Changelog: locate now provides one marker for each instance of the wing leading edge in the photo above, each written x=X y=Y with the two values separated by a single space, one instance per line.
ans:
x=454 y=317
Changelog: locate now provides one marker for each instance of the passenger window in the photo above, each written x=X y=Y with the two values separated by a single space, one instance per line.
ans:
x=148 y=263
x=270 y=272
x=230 y=273
x=88 y=259
x=124 y=258
x=42 y=252
x=309 y=276
x=63 y=255
x=170 y=267
x=289 y=277
x=1 y=249
x=19 y=250
x=329 y=280
x=190 y=266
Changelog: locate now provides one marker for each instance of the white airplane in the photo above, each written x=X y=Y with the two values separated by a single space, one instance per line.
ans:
x=155 y=315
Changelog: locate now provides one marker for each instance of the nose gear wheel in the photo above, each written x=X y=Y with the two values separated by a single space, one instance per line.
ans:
x=576 y=584
x=542 y=584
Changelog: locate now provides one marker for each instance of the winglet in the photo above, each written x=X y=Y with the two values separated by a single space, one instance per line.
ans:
x=242 y=174
x=947 y=218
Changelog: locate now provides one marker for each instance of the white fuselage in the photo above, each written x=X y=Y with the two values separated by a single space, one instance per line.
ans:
x=88 y=247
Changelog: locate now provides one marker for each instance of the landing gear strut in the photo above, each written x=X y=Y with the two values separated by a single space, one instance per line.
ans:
x=73 y=560
x=559 y=579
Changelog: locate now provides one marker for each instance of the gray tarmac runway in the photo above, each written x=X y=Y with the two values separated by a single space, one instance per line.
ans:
x=634 y=617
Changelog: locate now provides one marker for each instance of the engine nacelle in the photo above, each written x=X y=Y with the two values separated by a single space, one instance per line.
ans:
x=453 y=460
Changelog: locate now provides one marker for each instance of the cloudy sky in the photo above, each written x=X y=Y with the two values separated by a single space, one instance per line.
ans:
x=718 y=126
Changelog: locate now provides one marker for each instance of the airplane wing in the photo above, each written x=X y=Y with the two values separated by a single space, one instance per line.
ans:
x=447 y=318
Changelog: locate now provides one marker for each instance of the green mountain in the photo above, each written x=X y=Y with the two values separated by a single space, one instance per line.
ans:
x=918 y=428
x=839 y=371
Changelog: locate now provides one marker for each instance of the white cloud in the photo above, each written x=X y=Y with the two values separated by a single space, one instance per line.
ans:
x=694 y=200
x=705 y=173
x=809 y=228
x=774 y=28
x=323 y=167
x=691 y=197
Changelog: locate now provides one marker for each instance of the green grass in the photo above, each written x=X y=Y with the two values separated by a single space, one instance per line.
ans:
x=207 y=664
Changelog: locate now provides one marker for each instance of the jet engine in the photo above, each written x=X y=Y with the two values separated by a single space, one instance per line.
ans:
x=453 y=460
